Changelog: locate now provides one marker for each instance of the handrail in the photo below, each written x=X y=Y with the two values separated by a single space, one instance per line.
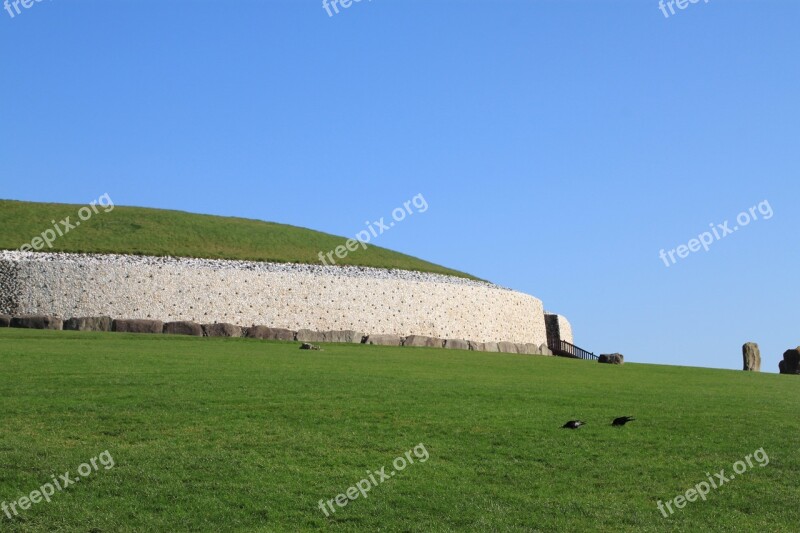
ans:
x=566 y=349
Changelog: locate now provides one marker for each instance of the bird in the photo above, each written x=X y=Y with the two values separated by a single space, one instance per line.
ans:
x=573 y=424
x=621 y=421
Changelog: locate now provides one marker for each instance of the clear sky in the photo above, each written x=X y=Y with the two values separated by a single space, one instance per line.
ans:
x=560 y=145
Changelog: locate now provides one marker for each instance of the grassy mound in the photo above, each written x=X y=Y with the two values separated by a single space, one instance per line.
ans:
x=246 y=435
x=143 y=231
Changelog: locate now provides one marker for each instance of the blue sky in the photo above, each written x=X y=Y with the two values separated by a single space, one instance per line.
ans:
x=560 y=145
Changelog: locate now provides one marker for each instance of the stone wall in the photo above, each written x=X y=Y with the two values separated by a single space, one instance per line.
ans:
x=314 y=297
x=558 y=329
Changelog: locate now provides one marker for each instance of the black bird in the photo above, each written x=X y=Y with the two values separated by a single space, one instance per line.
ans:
x=621 y=421
x=573 y=424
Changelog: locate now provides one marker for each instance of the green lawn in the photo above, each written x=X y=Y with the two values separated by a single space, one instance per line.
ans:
x=144 y=231
x=247 y=435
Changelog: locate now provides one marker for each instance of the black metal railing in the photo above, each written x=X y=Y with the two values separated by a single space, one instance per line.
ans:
x=565 y=349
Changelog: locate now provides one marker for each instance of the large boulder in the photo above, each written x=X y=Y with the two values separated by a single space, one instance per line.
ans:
x=612 y=359
x=272 y=334
x=490 y=347
x=5 y=321
x=506 y=347
x=384 y=340
x=183 y=328
x=532 y=349
x=222 y=330
x=456 y=344
x=751 y=356
x=347 y=336
x=137 y=325
x=37 y=322
x=88 y=323
x=545 y=350
x=791 y=362
x=306 y=335
x=423 y=342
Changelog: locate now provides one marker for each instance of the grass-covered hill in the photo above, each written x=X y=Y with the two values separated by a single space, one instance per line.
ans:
x=144 y=231
x=212 y=434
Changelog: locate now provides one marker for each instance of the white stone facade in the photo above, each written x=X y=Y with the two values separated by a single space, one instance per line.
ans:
x=292 y=296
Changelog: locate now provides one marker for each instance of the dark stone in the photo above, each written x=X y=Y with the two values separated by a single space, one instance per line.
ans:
x=183 y=328
x=222 y=330
x=5 y=321
x=612 y=359
x=137 y=325
x=37 y=322
x=791 y=362
x=89 y=323
x=309 y=346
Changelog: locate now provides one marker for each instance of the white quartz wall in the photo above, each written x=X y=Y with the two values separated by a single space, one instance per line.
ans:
x=312 y=297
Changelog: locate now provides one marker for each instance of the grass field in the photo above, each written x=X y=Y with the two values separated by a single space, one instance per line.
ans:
x=144 y=231
x=247 y=435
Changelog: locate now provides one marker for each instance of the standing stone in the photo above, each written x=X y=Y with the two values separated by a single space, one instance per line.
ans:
x=752 y=357
x=791 y=362
x=545 y=350
x=5 y=321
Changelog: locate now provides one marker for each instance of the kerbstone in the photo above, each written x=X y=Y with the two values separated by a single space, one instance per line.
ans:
x=183 y=327
x=423 y=341
x=384 y=340
x=272 y=334
x=37 y=322
x=222 y=330
x=137 y=326
x=89 y=323
x=456 y=344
